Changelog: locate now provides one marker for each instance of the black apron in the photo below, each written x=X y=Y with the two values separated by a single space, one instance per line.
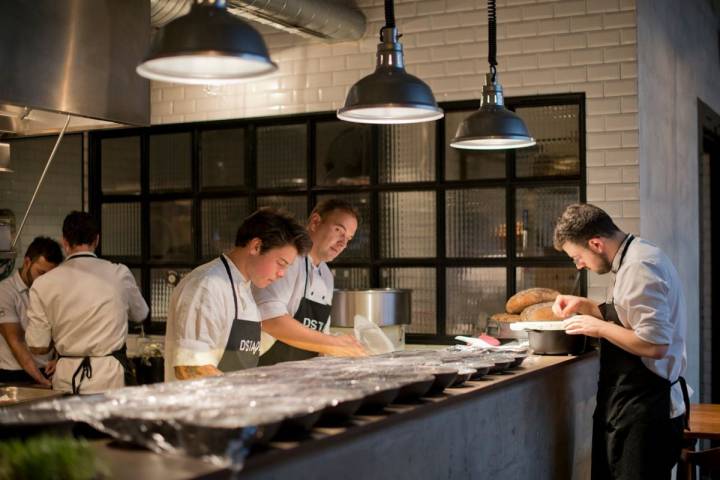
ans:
x=311 y=314
x=633 y=436
x=84 y=370
x=243 y=346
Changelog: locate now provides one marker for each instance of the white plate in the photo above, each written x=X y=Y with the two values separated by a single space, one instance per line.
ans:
x=551 y=325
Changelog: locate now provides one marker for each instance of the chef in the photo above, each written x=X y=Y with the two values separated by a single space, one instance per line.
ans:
x=642 y=397
x=17 y=364
x=213 y=323
x=83 y=307
x=296 y=309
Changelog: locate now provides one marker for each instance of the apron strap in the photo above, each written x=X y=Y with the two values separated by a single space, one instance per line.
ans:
x=85 y=371
x=232 y=284
x=85 y=368
x=686 y=399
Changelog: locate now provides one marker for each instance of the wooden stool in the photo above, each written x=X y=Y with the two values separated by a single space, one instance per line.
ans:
x=704 y=424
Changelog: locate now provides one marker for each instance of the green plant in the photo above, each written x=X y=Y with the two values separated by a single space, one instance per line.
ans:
x=49 y=458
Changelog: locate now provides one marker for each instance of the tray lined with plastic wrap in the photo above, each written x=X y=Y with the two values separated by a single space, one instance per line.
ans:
x=221 y=418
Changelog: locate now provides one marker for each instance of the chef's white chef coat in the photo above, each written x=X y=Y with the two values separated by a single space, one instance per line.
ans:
x=84 y=305
x=649 y=299
x=283 y=296
x=201 y=314
x=14 y=300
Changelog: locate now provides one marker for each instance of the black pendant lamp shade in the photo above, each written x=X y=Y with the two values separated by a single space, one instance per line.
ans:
x=390 y=94
x=492 y=127
x=206 y=46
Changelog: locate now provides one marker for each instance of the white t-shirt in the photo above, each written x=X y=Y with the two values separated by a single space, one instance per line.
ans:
x=201 y=314
x=648 y=298
x=283 y=295
x=83 y=306
x=14 y=300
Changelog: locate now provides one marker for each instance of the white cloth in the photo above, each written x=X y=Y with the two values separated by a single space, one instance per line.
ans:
x=83 y=306
x=14 y=300
x=648 y=298
x=201 y=314
x=283 y=296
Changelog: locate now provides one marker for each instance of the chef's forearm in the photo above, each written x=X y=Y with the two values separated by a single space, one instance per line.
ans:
x=13 y=336
x=630 y=342
x=188 y=372
x=290 y=331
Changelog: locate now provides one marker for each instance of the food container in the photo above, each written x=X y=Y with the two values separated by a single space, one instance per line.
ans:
x=555 y=342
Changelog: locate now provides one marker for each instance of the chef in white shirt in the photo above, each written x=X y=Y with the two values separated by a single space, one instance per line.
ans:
x=642 y=396
x=83 y=306
x=296 y=309
x=17 y=364
x=213 y=324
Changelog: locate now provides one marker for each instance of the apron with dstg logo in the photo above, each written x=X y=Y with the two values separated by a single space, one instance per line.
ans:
x=243 y=346
x=311 y=314
x=633 y=436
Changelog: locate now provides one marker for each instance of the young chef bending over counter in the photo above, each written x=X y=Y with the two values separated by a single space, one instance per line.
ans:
x=213 y=324
x=83 y=307
x=638 y=421
x=17 y=364
x=298 y=305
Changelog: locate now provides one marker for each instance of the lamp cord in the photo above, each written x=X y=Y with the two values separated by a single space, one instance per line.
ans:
x=389 y=14
x=492 y=34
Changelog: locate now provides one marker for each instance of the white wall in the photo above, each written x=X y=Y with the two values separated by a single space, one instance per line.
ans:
x=678 y=63
x=543 y=47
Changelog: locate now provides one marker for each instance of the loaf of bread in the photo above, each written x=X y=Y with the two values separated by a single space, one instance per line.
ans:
x=505 y=317
x=521 y=300
x=540 y=312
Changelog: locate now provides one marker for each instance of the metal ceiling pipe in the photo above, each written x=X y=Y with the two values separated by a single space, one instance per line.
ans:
x=327 y=19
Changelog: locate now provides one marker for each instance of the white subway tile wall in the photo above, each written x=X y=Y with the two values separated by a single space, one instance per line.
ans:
x=543 y=47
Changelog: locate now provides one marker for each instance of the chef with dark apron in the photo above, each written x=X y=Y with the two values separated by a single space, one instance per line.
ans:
x=213 y=322
x=642 y=400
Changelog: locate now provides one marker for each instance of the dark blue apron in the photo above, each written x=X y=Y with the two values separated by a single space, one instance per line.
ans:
x=243 y=346
x=311 y=314
x=633 y=436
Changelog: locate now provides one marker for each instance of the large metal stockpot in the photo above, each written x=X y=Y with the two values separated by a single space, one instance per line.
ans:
x=382 y=306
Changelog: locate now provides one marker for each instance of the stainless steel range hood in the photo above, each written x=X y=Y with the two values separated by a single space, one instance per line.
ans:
x=74 y=57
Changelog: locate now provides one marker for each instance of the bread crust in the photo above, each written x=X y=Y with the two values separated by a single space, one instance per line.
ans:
x=540 y=312
x=521 y=300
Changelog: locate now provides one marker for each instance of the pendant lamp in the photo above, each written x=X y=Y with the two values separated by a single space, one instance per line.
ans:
x=390 y=94
x=492 y=127
x=209 y=46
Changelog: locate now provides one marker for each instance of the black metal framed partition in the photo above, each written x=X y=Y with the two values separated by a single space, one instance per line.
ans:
x=435 y=219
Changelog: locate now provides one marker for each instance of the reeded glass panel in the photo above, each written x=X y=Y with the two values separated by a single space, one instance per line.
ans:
x=359 y=246
x=297 y=205
x=343 y=153
x=162 y=283
x=407 y=153
x=222 y=157
x=170 y=162
x=422 y=282
x=171 y=230
x=221 y=219
x=120 y=170
x=536 y=212
x=282 y=156
x=556 y=130
x=351 y=277
x=475 y=222
x=561 y=279
x=120 y=234
x=470 y=164
x=407 y=224
x=473 y=294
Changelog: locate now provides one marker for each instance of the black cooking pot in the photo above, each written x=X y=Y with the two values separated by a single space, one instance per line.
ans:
x=555 y=342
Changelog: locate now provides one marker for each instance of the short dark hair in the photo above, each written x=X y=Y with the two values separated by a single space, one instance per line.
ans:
x=581 y=222
x=44 y=247
x=275 y=228
x=329 y=205
x=79 y=228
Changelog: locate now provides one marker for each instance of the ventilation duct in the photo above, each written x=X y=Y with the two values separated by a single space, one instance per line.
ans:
x=328 y=19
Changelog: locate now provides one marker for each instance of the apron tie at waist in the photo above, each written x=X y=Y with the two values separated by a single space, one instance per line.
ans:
x=686 y=399
x=85 y=368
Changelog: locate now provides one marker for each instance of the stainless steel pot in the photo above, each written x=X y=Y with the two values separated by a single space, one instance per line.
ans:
x=503 y=330
x=555 y=342
x=382 y=306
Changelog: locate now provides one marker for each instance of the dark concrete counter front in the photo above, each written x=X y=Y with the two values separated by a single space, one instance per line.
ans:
x=533 y=423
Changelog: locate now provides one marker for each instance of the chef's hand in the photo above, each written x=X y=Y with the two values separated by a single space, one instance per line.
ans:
x=584 y=325
x=50 y=367
x=567 y=305
x=348 y=346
